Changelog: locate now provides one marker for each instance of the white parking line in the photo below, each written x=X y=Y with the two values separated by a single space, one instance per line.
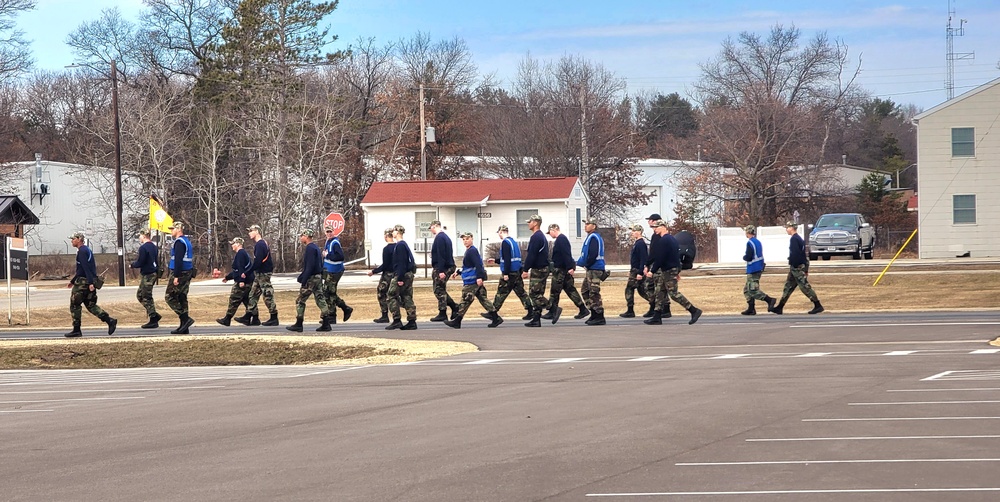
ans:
x=866 y=438
x=74 y=399
x=484 y=361
x=796 y=492
x=814 y=354
x=906 y=403
x=106 y=391
x=891 y=419
x=859 y=461
x=946 y=390
x=25 y=411
x=985 y=351
x=565 y=360
x=730 y=356
x=647 y=359
x=899 y=353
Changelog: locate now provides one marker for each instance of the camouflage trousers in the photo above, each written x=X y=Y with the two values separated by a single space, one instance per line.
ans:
x=145 y=293
x=401 y=297
x=666 y=287
x=536 y=288
x=471 y=292
x=441 y=287
x=514 y=283
x=237 y=296
x=634 y=285
x=312 y=286
x=330 y=282
x=262 y=287
x=751 y=290
x=383 y=291
x=649 y=285
x=81 y=296
x=798 y=276
x=177 y=294
x=562 y=280
x=591 y=289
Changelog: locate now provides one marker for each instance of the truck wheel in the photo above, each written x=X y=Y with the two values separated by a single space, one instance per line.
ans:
x=812 y=257
x=826 y=257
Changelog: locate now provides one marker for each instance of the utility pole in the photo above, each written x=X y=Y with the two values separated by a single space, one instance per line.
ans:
x=951 y=55
x=423 y=137
x=118 y=173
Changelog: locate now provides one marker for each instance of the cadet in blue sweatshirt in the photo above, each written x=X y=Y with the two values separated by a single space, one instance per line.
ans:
x=510 y=273
x=473 y=274
x=145 y=261
x=401 y=289
x=311 y=280
x=563 y=268
x=535 y=266
x=385 y=279
x=665 y=267
x=798 y=275
x=242 y=277
x=263 y=265
x=181 y=267
x=592 y=259
x=754 y=257
x=333 y=270
x=442 y=268
x=636 y=275
x=84 y=293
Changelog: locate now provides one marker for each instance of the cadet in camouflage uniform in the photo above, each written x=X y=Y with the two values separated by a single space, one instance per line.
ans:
x=592 y=258
x=242 y=277
x=385 y=280
x=665 y=267
x=146 y=263
x=536 y=267
x=84 y=293
x=333 y=270
x=510 y=273
x=401 y=289
x=179 y=281
x=442 y=268
x=311 y=280
x=754 y=257
x=263 y=265
x=473 y=274
x=798 y=275
x=563 y=268
x=636 y=273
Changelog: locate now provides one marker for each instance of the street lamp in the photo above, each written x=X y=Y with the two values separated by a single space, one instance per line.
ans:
x=900 y=171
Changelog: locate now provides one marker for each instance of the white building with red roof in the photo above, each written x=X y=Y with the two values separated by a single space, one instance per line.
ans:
x=478 y=206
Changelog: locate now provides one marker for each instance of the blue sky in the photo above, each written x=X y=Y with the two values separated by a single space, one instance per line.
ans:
x=655 y=45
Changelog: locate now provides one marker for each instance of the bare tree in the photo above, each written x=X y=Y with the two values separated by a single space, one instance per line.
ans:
x=15 y=55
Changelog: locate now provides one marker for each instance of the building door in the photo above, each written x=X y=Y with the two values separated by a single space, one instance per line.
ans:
x=466 y=220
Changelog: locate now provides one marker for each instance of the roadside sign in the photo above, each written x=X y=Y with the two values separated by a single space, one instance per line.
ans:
x=335 y=220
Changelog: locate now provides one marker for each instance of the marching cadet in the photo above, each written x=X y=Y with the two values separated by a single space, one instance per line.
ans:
x=386 y=278
x=536 y=267
x=592 y=259
x=401 y=289
x=510 y=273
x=563 y=268
x=333 y=270
x=636 y=275
x=84 y=293
x=442 y=268
x=242 y=277
x=145 y=261
x=473 y=274
x=798 y=275
x=754 y=257
x=666 y=266
x=179 y=281
x=263 y=265
x=651 y=285
x=311 y=280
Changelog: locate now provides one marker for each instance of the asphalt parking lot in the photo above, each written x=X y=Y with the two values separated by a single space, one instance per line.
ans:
x=896 y=407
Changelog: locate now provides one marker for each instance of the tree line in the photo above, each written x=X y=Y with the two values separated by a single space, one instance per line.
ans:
x=234 y=113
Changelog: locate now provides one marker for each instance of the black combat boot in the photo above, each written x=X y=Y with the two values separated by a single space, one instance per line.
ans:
x=110 y=321
x=628 y=313
x=442 y=316
x=695 y=314
x=454 y=309
x=332 y=318
x=780 y=307
x=347 y=311
x=651 y=311
x=272 y=321
x=817 y=308
x=411 y=324
x=382 y=320
x=556 y=312
x=666 y=311
x=326 y=321
x=154 y=321
x=76 y=333
x=584 y=312
x=536 y=319
x=395 y=324
x=654 y=319
x=527 y=315
x=485 y=315
x=225 y=321
x=254 y=320
x=454 y=323
x=497 y=320
x=548 y=315
x=297 y=327
x=751 y=309
x=186 y=323
x=244 y=319
x=770 y=303
x=596 y=319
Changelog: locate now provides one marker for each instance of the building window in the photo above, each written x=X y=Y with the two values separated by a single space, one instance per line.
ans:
x=579 y=222
x=422 y=224
x=963 y=209
x=522 y=225
x=963 y=142
x=577 y=192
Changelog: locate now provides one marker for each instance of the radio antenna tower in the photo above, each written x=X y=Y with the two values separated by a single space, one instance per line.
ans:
x=951 y=56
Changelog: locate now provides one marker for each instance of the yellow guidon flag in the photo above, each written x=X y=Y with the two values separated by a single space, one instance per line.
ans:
x=158 y=218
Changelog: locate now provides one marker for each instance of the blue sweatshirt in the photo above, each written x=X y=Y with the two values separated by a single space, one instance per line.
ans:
x=334 y=261
x=85 y=265
x=562 y=254
x=402 y=260
x=510 y=256
x=242 y=268
x=537 y=254
x=262 y=261
x=386 y=265
x=754 y=256
x=665 y=254
x=312 y=263
x=797 y=251
x=640 y=253
x=146 y=259
x=442 y=254
x=472 y=266
x=593 y=252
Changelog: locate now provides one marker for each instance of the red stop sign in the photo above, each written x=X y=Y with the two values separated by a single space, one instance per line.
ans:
x=335 y=221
